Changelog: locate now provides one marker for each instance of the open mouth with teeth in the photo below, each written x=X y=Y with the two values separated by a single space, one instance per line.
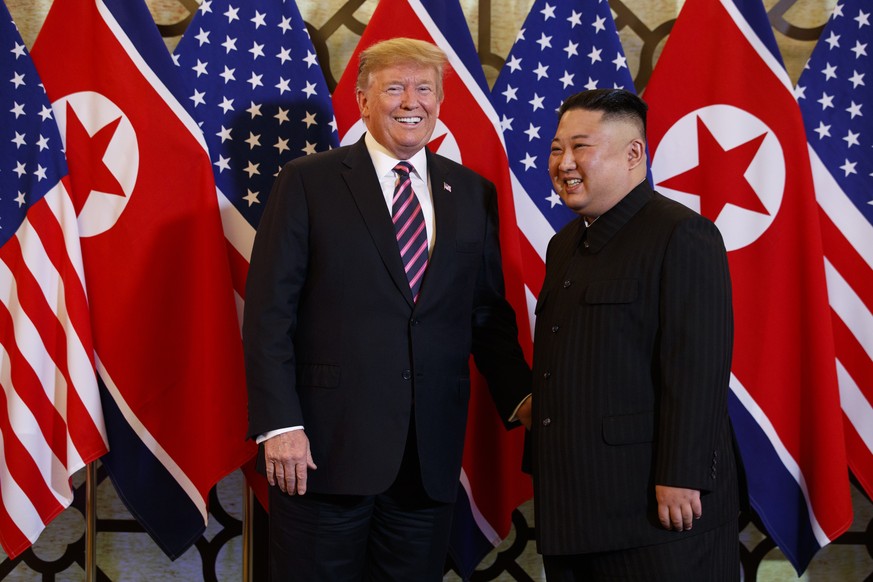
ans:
x=573 y=182
x=408 y=120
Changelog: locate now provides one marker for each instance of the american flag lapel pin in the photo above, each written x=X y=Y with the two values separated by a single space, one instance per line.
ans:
x=447 y=187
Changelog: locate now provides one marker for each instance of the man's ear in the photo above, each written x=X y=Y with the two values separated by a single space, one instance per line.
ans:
x=636 y=153
x=361 y=98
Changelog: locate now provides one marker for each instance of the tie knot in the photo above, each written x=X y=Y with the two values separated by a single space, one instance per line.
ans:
x=403 y=169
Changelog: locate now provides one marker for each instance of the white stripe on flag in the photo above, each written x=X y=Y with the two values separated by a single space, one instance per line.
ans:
x=531 y=221
x=22 y=420
x=151 y=444
x=839 y=208
x=766 y=56
x=21 y=511
x=855 y=406
x=237 y=229
x=480 y=520
x=78 y=361
x=150 y=76
x=785 y=457
x=459 y=67
x=850 y=308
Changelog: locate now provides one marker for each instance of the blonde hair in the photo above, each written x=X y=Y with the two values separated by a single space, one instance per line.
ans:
x=400 y=51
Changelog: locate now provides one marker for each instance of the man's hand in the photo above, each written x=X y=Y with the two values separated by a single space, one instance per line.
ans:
x=678 y=507
x=288 y=461
x=525 y=412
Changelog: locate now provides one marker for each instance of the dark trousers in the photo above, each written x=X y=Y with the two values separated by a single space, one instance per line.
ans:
x=712 y=556
x=398 y=535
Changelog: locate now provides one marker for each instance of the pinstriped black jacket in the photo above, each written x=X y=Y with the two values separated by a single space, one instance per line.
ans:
x=632 y=359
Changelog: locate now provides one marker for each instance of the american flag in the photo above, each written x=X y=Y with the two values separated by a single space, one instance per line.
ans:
x=835 y=92
x=259 y=94
x=562 y=48
x=52 y=422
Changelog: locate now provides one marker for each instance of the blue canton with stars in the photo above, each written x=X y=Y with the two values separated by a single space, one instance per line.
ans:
x=257 y=92
x=31 y=158
x=835 y=97
x=562 y=48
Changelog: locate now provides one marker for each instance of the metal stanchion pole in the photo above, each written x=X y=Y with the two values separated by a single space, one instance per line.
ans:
x=91 y=522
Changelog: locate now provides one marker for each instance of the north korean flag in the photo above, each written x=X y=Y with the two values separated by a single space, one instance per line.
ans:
x=166 y=334
x=728 y=140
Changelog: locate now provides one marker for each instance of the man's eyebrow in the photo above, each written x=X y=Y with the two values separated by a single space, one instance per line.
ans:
x=577 y=136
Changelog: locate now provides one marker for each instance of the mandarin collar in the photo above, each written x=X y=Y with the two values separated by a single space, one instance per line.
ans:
x=609 y=223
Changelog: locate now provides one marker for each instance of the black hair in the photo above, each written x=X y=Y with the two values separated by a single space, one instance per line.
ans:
x=614 y=103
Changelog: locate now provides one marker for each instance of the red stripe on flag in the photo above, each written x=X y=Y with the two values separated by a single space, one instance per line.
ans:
x=83 y=431
x=853 y=357
x=239 y=269
x=845 y=259
x=860 y=456
x=534 y=266
x=11 y=537
x=28 y=387
x=21 y=465
x=76 y=300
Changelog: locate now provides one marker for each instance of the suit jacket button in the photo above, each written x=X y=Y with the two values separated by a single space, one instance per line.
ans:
x=547 y=421
x=547 y=375
x=555 y=328
x=406 y=374
x=567 y=283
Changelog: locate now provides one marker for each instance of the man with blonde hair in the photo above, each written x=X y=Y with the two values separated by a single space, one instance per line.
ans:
x=375 y=273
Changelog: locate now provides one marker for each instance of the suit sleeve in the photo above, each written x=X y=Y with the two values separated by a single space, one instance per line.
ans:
x=696 y=320
x=495 y=347
x=275 y=279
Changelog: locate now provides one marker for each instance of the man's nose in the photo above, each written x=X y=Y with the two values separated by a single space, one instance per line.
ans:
x=409 y=97
x=567 y=162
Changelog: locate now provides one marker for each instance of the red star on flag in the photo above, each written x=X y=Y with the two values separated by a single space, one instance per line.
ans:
x=719 y=177
x=85 y=152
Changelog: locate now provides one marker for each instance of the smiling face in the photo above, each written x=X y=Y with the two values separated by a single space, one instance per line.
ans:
x=594 y=162
x=400 y=106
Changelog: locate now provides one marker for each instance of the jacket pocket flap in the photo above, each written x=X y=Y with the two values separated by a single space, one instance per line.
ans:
x=615 y=291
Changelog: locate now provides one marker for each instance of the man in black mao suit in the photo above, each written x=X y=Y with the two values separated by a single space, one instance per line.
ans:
x=358 y=385
x=633 y=462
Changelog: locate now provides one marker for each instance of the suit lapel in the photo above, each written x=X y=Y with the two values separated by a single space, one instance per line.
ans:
x=445 y=209
x=363 y=184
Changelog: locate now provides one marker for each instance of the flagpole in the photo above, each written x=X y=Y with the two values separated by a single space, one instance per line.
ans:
x=247 y=531
x=91 y=522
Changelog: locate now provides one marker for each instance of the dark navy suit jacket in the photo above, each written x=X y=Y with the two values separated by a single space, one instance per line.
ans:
x=334 y=342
